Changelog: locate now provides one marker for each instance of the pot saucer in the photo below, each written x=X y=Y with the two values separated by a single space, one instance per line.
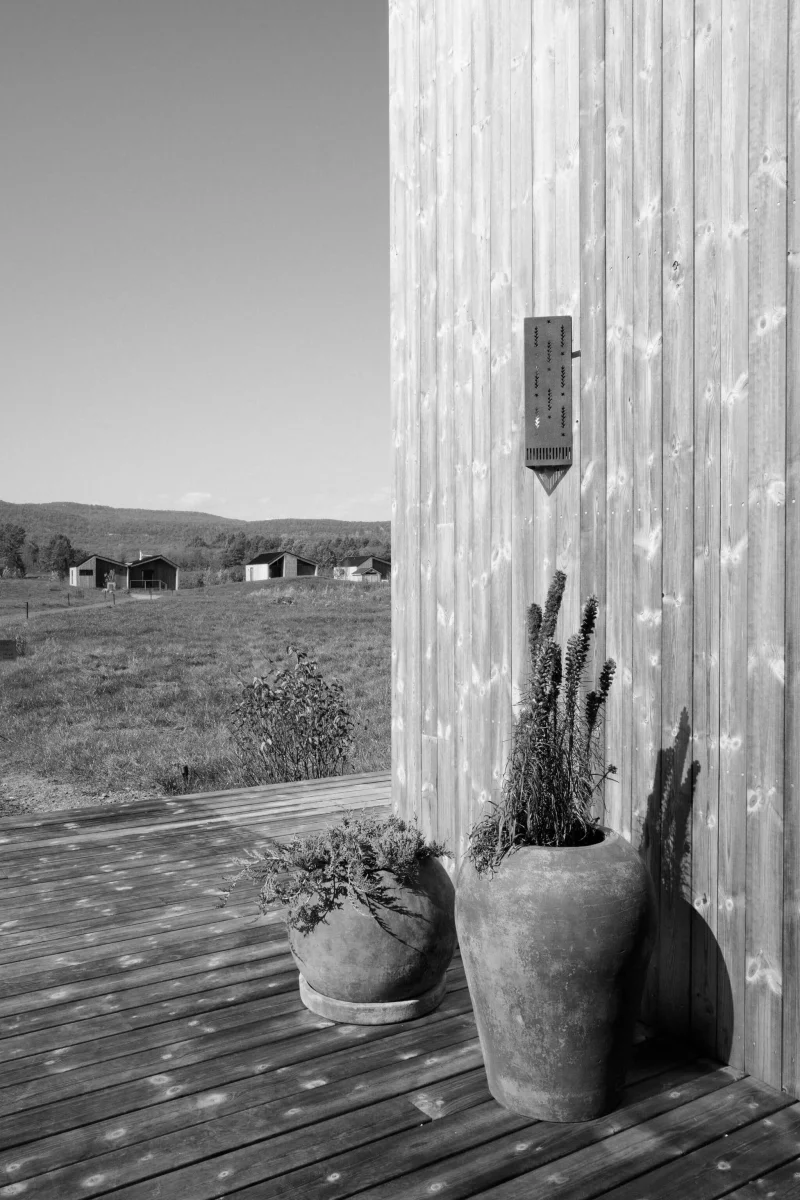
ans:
x=348 y=1012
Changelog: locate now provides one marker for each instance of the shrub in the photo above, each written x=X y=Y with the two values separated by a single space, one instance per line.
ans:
x=298 y=727
x=314 y=875
x=556 y=763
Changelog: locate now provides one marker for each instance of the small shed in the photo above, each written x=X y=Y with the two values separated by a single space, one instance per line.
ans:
x=153 y=571
x=359 y=569
x=278 y=564
x=97 y=571
x=374 y=570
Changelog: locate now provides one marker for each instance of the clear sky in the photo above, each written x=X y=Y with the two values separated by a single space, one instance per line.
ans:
x=194 y=301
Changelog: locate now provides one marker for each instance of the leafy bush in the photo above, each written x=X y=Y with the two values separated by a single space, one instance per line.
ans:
x=314 y=875
x=298 y=727
x=556 y=763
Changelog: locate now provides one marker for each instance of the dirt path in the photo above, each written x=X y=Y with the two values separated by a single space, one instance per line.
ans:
x=21 y=793
x=15 y=616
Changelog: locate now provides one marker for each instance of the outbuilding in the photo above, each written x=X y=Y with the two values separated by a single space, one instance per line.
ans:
x=97 y=571
x=154 y=571
x=359 y=569
x=374 y=570
x=278 y=564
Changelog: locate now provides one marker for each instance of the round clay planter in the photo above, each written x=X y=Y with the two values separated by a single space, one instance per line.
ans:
x=555 y=947
x=387 y=957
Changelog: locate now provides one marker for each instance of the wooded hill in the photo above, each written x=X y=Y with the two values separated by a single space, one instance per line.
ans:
x=191 y=538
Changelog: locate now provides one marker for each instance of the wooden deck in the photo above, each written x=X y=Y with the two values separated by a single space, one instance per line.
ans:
x=154 y=1047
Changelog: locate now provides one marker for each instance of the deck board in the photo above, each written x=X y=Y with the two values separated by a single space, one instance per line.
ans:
x=154 y=1044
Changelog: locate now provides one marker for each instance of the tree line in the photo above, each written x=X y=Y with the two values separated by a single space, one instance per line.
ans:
x=20 y=555
x=325 y=550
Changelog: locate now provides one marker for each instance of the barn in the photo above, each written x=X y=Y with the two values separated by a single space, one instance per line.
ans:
x=97 y=571
x=363 y=570
x=346 y=569
x=374 y=570
x=278 y=564
x=153 y=571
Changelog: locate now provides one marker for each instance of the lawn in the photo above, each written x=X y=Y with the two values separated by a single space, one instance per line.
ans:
x=41 y=594
x=124 y=697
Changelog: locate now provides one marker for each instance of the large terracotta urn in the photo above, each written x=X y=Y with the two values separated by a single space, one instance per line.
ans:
x=555 y=944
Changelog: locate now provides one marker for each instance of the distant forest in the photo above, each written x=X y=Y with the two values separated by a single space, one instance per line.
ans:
x=53 y=537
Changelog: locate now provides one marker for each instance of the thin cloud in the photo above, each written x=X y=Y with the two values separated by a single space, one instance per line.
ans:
x=193 y=500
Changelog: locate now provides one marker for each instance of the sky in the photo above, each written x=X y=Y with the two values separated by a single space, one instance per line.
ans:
x=194 y=306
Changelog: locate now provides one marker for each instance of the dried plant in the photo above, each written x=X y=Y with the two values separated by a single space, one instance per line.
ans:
x=298 y=727
x=316 y=874
x=556 y=764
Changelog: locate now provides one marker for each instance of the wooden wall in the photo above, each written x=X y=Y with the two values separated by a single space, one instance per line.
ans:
x=635 y=165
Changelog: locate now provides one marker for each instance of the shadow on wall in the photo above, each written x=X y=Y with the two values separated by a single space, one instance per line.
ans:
x=688 y=972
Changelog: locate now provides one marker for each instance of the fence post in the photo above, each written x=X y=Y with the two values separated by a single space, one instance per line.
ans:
x=26 y=610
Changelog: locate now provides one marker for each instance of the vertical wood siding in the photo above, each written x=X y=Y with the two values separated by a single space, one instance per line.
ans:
x=791 y=814
x=636 y=166
x=647 y=522
x=766 y=539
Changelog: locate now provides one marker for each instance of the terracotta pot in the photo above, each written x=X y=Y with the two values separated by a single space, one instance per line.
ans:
x=555 y=946
x=386 y=958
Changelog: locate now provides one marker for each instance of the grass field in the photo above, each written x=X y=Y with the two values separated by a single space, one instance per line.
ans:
x=42 y=595
x=122 y=697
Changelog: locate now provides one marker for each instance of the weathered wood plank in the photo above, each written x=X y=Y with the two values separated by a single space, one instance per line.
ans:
x=250 y=1165
x=544 y=118
x=600 y=1168
x=505 y=1163
x=30 y=940
x=766 y=539
x=736 y=1158
x=566 y=42
x=445 y=514
x=592 y=339
x=274 y=977
x=415 y=1163
x=182 y=1133
x=781 y=1182
x=113 y=1012
x=137 y=954
x=391 y=1164
x=401 y=107
x=647 y=438
x=69 y=1108
x=57 y=992
x=411 y=613
x=678 y=501
x=170 y=1135
x=254 y=818
x=791 y=851
x=502 y=464
x=283 y=1000
x=733 y=255
x=428 y=416
x=462 y=416
x=619 y=404
x=481 y=539
x=130 y=939
x=707 y=565
x=522 y=480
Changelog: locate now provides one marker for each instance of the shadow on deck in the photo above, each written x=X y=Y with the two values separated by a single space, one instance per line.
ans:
x=152 y=1045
